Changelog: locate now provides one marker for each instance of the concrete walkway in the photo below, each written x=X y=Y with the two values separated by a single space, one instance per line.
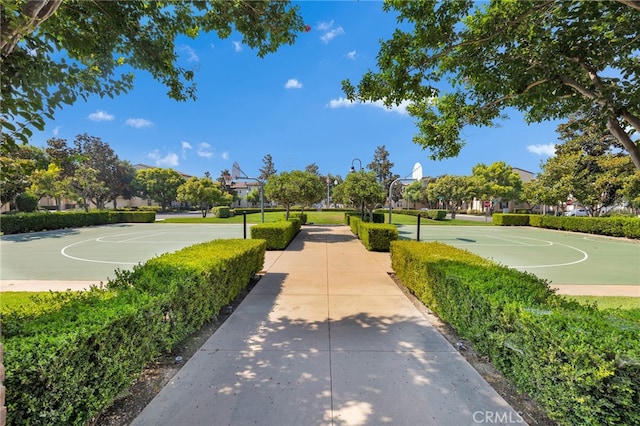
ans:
x=327 y=338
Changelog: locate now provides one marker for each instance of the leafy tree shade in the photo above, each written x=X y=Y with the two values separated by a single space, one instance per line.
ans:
x=159 y=184
x=55 y=52
x=363 y=189
x=86 y=184
x=201 y=192
x=547 y=58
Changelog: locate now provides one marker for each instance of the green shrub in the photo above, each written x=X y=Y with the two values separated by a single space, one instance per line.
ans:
x=510 y=219
x=348 y=215
x=277 y=235
x=33 y=222
x=431 y=213
x=581 y=364
x=354 y=224
x=299 y=215
x=27 y=202
x=221 y=211
x=377 y=236
x=67 y=362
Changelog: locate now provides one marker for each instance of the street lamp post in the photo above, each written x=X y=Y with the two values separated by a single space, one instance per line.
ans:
x=353 y=170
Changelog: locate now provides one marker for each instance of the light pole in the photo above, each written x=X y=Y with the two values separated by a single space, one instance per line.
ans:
x=391 y=192
x=353 y=170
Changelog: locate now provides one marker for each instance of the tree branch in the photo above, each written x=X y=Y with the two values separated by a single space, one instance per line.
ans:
x=616 y=130
x=34 y=12
x=634 y=4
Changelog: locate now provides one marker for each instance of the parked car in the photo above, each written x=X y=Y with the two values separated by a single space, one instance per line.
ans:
x=577 y=212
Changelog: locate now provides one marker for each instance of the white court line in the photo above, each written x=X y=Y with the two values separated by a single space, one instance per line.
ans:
x=506 y=239
x=100 y=239
x=585 y=256
x=64 y=249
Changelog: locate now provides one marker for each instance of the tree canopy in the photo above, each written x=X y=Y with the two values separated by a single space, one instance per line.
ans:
x=201 y=192
x=547 y=59
x=55 y=52
x=159 y=184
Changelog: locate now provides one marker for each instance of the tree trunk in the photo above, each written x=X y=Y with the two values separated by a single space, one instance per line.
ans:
x=34 y=13
x=618 y=132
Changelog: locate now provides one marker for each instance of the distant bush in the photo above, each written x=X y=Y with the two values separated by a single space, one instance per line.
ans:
x=27 y=202
x=221 y=211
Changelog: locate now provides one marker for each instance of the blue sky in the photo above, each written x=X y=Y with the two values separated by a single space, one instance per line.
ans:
x=288 y=104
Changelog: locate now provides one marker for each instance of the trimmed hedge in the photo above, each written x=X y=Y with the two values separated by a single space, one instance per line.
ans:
x=221 y=211
x=581 y=364
x=612 y=226
x=33 y=222
x=378 y=217
x=431 y=213
x=63 y=366
x=277 y=235
x=377 y=236
x=298 y=215
x=374 y=236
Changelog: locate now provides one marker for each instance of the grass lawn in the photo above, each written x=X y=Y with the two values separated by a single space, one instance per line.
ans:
x=24 y=301
x=609 y=302
x=324 y=218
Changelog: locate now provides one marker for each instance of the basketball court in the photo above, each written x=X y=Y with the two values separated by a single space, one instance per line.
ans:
x=77 y=258
x=588 y=264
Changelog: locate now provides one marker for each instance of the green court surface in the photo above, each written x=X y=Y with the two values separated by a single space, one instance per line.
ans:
x=95 y=253
x=563 y=258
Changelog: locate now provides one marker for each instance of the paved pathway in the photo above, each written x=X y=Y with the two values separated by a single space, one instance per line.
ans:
x=327 y=338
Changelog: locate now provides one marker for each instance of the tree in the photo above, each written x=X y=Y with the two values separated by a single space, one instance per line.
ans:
x=363 y=189
x=588 y=165
x=253 y=197
x=382 y=166
x=201 y=192
x=86 y=185
x=159 y=184
x=311 y=188
x=16 y=168
x=120 y=181
x=63 y=156
x=94 y=153
x=497 y=181
x=289 y=188
x=452 y=191
x=268 y=169
x=548 y=59
x=313 y=169
x=49 y=183
x=415 y=193
x=55 y=52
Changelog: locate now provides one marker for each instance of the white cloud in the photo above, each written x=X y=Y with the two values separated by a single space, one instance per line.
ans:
x=185 y=146
x=169 y=160
x=346 y=103
x=237 y=46
x=225 y=155
x=341 y=103
x=138 y=123
x=101 y=116
x=292 y=83
x=192 y=56
x=204 y=150
x=546 y=150
x=324 y=26
x=330 y=32
x=56 y=130
x=352 y=55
